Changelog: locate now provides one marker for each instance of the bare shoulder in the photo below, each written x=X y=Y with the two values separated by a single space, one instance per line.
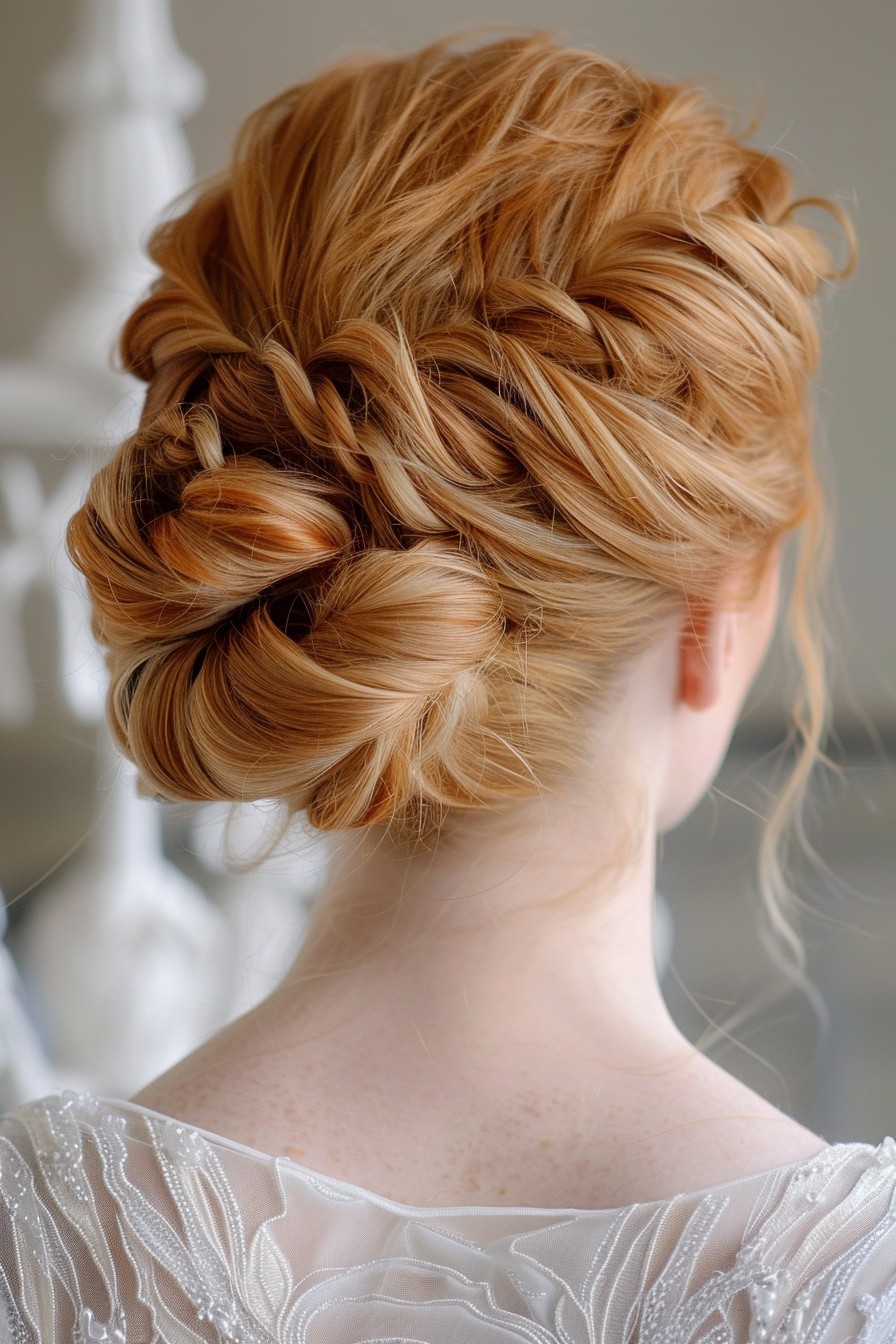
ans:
x=717 y=1129
x=217 y=1087
x=698 y=1128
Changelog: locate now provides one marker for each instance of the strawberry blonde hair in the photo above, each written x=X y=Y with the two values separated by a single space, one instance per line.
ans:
x=468 y=372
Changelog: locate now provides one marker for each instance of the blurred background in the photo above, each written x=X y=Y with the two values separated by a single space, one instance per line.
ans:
x=108 y=108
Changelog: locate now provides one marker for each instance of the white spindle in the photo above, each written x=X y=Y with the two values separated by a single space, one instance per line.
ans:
x=121 y=89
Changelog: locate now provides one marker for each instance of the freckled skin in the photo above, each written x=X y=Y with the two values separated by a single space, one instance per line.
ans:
x=432 y=1149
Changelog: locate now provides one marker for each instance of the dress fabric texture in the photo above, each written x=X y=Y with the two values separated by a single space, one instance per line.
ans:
x=122 y=1226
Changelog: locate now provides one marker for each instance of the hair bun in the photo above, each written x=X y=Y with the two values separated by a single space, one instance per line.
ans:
x=199 y=534
x=244 y=526
x=348 y=721
x=409 y=621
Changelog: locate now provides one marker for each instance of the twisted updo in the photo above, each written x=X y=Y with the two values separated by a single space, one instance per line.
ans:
x=472 y=367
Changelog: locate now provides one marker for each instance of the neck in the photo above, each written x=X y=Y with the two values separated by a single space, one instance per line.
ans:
x=535 y=946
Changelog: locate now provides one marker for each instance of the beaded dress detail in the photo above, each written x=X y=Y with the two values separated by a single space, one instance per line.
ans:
x=122 y=1226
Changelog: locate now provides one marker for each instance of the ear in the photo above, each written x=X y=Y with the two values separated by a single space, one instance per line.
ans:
x=706 y=649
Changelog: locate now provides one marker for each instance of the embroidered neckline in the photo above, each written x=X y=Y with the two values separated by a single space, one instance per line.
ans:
x=797 y=1250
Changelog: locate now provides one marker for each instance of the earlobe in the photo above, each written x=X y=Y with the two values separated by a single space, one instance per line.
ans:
x=706 y=649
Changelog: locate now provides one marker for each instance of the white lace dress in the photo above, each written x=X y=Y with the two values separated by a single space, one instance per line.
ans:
x=122 y=1226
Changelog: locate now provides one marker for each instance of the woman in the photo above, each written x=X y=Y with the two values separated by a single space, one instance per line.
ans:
x=476 y=420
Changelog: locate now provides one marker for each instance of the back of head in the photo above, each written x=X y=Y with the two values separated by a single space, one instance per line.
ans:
x=472 y=366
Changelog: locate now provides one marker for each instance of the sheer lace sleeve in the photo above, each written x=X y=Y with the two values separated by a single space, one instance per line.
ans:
x=120 y=1226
